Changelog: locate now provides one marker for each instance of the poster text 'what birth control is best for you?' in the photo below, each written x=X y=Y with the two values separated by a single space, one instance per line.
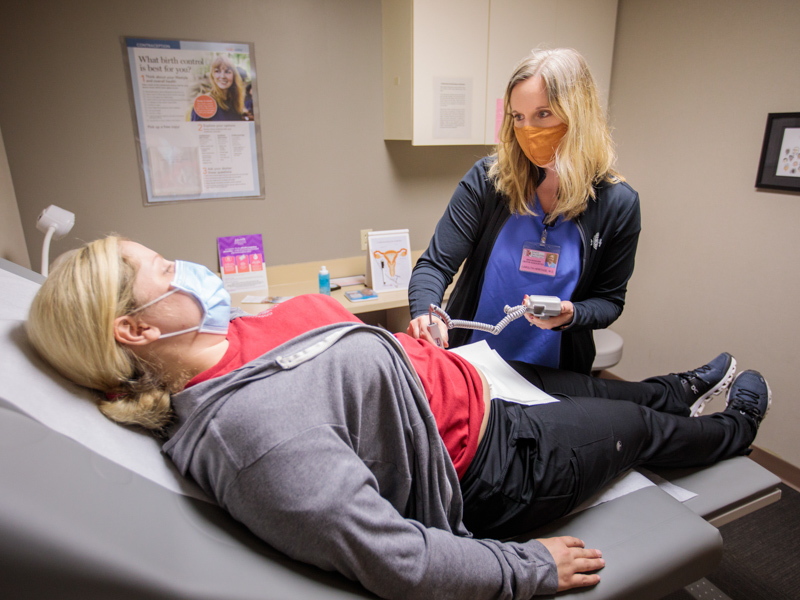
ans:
x=196 y=116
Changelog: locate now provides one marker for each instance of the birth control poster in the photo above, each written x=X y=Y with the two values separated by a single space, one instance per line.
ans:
x=195 y=119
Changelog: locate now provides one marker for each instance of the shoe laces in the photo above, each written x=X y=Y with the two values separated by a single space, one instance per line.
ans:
x=695 y=373
x=746 y=402
x=749 y=397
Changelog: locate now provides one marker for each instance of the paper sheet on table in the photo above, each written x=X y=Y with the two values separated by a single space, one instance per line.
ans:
x=622 y=485
x=677 y=492
x=504 y=381
x=632 y=481
x=35 y=389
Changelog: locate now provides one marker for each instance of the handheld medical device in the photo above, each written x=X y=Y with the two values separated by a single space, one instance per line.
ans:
x=543 y=307
x=433 y=328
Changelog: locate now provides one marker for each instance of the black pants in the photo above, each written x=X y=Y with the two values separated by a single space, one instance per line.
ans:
x=663 y=394
x=536 y=463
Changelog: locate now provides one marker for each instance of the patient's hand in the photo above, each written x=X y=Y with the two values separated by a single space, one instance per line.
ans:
x=573 y=560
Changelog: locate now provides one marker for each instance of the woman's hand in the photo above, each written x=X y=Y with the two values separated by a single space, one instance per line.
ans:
x=418 y=328
x=573 y=561
x=567 y=312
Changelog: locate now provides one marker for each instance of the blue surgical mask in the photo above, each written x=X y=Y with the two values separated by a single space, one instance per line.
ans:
x=205 y=287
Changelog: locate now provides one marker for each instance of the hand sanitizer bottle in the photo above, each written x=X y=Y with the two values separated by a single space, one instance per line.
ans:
x=324 y=281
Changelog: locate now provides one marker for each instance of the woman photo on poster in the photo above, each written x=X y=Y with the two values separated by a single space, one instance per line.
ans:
x=225 y=100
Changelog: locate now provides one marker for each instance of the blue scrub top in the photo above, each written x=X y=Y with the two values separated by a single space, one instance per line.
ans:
x=505 y=284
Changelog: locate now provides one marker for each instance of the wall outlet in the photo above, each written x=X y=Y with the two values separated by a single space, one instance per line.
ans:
x=364 y=233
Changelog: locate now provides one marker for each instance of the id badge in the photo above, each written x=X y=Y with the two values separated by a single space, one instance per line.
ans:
x=540 y=258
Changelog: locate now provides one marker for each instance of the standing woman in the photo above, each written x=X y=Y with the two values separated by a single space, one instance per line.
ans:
x=547 y=214
x=227 y=90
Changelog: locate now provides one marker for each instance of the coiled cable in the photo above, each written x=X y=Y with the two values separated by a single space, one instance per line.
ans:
x=512 y=314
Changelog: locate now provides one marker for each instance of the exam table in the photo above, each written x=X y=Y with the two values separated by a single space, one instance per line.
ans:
x=77 y=524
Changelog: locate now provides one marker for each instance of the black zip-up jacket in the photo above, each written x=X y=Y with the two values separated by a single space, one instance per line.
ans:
x=609 y=229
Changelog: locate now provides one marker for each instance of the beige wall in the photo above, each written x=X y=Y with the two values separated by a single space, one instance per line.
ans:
x=12 y=240
x=691 y=88
x=716 y=269
x=328 y=172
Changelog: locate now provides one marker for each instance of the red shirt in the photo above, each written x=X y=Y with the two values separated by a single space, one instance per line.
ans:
x=452 y=385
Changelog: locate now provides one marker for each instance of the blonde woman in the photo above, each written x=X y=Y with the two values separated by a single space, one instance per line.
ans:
x=550 y=190
x=227 y=90
x=349 y=448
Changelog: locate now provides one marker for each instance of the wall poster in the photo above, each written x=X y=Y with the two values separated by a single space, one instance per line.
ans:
x=196 y=119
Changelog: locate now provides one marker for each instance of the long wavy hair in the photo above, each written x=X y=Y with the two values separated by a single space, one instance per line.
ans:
x=233 y=97
x=71 y=324
x=584 y=158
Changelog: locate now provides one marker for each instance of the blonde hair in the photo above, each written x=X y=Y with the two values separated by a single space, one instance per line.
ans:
x=585 y=156
x=71 y=324
x=234 y=95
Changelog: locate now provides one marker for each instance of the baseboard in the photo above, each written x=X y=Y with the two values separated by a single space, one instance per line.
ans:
x=789 y=474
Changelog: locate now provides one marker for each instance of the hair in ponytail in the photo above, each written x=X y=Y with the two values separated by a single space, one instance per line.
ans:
x=71 y=324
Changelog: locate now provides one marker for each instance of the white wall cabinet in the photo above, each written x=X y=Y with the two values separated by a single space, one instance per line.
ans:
x=446 y=62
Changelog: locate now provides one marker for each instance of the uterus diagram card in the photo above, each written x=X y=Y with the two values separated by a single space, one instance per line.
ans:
x=388 y=260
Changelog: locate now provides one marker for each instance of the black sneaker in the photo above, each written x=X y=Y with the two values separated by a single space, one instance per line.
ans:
x=709 y=380
x=750 y=395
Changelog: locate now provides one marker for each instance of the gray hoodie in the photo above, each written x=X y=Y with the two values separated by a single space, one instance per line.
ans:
x=326 y=448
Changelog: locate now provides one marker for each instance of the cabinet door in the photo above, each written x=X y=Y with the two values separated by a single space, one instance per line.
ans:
x=451 y=38
x=398 y=84
x=434 y=70
x=516 y=27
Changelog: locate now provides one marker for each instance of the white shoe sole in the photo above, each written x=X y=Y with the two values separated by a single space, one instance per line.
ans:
x=697 y=408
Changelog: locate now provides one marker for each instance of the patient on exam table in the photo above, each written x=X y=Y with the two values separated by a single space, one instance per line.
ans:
x=378 y=456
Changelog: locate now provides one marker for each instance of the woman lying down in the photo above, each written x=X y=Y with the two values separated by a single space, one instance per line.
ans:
x=382 y=457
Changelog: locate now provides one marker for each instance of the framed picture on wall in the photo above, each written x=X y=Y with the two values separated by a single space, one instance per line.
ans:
x=779 y=167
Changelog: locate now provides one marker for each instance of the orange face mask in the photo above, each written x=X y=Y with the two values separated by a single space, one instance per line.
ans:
x=539 y=143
